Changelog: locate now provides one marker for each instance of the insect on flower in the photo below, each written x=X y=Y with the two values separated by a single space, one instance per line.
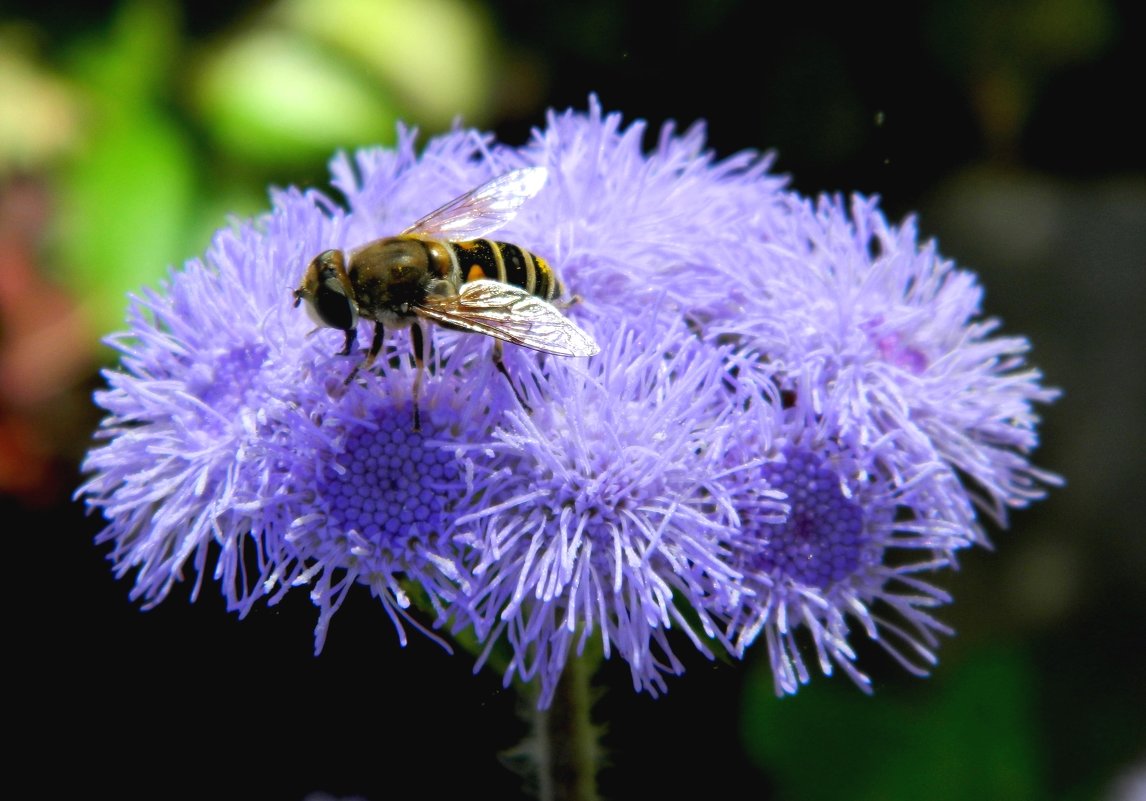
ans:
x=441 y=270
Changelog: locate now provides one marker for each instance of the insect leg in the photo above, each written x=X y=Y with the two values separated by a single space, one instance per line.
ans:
x=499 y=362
x=371 y=355
x=375 y=345
x=351 y=336
x=420 y=362
x=567 y=303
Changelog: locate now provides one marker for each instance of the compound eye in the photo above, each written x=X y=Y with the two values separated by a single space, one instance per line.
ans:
x=333 y=307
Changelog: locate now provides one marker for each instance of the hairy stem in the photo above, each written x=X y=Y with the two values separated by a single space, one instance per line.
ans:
x=567 y=752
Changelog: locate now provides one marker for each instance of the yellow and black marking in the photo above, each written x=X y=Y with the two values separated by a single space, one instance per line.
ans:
x=502 y=261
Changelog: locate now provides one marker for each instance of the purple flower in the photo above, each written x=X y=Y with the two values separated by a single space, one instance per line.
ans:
x=851 y=549
x=893 y=412
x=602 y=512
x=794 y=409
x=855 y=318
x=229 y=425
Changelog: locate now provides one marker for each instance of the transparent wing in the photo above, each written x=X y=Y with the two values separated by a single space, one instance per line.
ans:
x=510 y=313
x=482 y=211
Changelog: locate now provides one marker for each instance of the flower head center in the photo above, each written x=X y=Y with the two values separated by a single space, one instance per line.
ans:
x=822 y=540
x=388 y=484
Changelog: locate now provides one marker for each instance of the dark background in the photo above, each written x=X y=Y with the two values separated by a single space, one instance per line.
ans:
x=1011 y=129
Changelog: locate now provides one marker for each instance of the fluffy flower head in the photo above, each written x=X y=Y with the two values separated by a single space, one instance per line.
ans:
x=795 y=409
x=854 y=318
x=602 y=511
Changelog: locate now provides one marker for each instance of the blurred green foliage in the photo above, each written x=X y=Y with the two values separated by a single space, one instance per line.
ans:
x=151 y=138
x=126 y=198
x=968 y=733
x=1005 y=52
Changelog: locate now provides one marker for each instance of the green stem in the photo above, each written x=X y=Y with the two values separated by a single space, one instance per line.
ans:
x=567 y=753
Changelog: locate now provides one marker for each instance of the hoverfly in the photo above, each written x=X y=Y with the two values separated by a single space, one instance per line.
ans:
x=441 y=270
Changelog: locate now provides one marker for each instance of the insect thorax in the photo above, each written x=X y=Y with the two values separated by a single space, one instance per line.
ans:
x=390 y=276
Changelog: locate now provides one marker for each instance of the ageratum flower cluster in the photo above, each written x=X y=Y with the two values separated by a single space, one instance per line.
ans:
x=797 y=414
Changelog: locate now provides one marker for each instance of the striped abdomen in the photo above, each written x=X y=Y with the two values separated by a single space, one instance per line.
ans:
x=475 y=259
